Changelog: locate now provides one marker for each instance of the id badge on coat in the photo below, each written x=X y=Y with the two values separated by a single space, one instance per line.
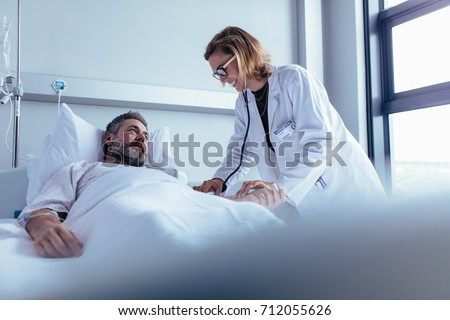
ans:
x=285 y=130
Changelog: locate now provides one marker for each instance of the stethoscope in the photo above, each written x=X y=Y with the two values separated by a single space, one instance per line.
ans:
x=244 y=93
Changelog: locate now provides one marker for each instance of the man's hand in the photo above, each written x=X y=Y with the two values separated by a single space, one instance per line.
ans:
x=51 y=238
x=214 y=185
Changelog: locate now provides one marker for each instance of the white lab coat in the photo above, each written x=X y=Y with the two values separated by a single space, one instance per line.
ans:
x=302 y=158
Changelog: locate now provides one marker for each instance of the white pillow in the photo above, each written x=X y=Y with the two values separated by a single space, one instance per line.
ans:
x=75 y=139
x=159 y=154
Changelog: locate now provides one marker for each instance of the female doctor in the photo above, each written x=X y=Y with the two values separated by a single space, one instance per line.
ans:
x=287 y=127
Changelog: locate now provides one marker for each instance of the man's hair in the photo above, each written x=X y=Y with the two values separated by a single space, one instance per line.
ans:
x=114 y=125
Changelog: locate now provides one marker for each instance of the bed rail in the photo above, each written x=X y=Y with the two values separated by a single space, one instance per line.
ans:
x=13 y=190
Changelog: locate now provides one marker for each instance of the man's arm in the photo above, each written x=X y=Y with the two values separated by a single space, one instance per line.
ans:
x=40 y=217
x=51 y=238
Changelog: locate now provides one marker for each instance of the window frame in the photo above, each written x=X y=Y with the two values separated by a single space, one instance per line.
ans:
x=422 y=97
x=381 y=98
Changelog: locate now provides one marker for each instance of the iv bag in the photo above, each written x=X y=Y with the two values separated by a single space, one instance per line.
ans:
x=5 y=46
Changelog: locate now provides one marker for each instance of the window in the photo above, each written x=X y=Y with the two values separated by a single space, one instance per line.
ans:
x=420 y=150
x=410 y=92
x=421 y=51
x=392 y=3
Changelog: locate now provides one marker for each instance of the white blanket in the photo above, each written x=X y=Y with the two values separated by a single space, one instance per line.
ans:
x=123 y=218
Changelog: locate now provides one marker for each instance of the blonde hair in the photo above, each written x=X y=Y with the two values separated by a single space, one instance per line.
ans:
x=252 y=59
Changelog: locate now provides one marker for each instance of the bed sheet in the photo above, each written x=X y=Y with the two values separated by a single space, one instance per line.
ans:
x=124 y=218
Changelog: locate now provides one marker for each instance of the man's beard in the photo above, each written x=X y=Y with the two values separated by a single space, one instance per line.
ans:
x=128 y=154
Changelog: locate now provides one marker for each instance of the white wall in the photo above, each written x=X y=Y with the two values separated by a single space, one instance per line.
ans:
x=344 y=64
x=331 y=46
x=161 y=43
x=310 y=37
x=144 y=41
x=157 y=43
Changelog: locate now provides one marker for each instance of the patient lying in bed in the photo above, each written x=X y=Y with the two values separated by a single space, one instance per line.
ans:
x=91 y=192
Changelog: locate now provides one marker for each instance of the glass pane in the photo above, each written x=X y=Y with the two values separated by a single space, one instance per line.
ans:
x=420 y=150
x=392 y=3
x=421 y=51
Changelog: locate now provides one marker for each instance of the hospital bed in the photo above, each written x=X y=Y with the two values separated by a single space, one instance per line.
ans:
x=13 y=189
x=126 y=209
x=212 y=248
x=391 y=251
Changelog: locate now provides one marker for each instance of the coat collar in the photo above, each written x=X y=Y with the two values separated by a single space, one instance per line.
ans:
x=274 y=84
x=274 y=92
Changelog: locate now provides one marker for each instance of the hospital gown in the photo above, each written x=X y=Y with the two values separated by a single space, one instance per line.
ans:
x=66 y=186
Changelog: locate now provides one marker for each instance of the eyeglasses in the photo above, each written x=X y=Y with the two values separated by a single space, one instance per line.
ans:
x=222 y=70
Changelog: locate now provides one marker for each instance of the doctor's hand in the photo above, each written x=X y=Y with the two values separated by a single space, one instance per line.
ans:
x=249 y=186
x=52 y=239
x=213 y=185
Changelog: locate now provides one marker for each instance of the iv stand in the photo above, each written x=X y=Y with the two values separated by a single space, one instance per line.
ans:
x=18 y=93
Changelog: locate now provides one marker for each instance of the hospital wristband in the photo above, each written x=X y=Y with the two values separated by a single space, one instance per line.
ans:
x=25 y=219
